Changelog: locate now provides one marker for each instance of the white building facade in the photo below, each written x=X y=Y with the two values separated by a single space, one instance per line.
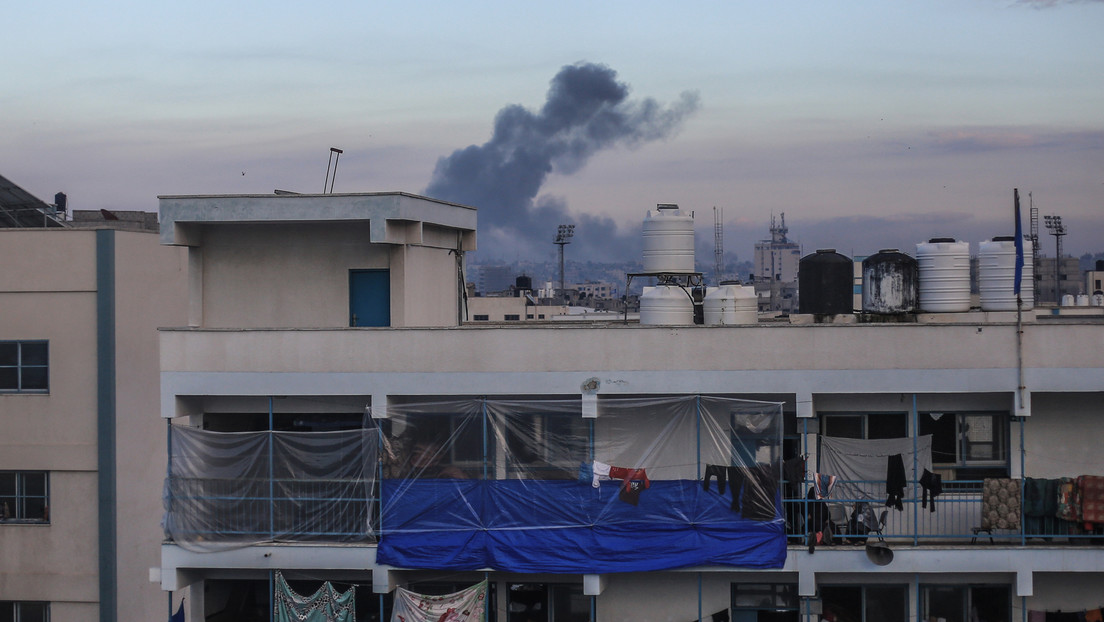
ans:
x=275 y=344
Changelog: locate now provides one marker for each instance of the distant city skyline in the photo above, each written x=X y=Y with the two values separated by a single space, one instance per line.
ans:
x=875 y=126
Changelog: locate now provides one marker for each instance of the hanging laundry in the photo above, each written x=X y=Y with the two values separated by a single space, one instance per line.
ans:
x=932 y=483
x=325 y=605
x=895 y=482
x=1000 y=503
x=718 y=471
x=468 y=605
x=1092 y=500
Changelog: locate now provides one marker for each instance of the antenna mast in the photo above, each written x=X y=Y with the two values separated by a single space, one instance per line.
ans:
x=718 y=245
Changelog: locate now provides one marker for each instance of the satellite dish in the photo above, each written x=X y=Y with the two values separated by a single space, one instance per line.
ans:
x=879 y=553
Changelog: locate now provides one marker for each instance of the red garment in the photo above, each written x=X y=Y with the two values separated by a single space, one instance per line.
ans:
x=627 y=475
x=1092 y=499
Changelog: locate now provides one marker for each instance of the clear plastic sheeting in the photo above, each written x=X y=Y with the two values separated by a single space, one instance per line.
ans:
x=232 y=489
x=533 y=486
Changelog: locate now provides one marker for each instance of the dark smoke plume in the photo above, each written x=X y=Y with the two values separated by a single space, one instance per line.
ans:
x=587 y=110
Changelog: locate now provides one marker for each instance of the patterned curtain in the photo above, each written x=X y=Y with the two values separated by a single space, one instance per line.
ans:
x=325 y=605
x=468 y=605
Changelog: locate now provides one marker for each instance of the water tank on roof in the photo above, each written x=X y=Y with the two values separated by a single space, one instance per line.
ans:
x=1082 y=300
x=997 y=275
x=524 y=282
x=731 y=304
x=944 y=265
x=668 y=240
x=890 y=282
x=1067 y=300
x=825 y=283
x=666 y=305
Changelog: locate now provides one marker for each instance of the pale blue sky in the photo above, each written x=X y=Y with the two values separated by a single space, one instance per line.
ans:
x=870 y=124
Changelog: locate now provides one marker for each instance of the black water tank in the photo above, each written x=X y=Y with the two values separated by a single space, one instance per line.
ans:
x=825 y=282
x=890 y=282
x=524 y=282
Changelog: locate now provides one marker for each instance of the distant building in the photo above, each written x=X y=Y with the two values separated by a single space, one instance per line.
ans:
x=597 y=289
x=776 y=264
x=1071 y=281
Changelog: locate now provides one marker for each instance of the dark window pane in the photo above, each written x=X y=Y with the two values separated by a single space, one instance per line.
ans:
x=842 y=603
x=887 y=603
x=32 y=612
x=945 y=602
x=9 y=379
x=34 y=353
x=944 y=431
x=9 y=353
x=34 y=484
x=35 y=378
x=887 y=426
x=7 y=611
x=843 y=426
x=7 y=484
x=990 y=604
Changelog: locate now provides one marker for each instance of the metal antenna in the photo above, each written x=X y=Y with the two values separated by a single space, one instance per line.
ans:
x=718 y=244
x=330 y=180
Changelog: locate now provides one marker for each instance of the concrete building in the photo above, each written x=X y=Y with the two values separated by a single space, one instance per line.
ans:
x=1071 y=283
x=269 y=350
x=81 y=462
x=776 y=265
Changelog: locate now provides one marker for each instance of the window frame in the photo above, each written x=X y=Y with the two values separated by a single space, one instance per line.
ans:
x=20 y=366
x=969 y=596
x=17 y=512
x=864 y=418
x=964 y=464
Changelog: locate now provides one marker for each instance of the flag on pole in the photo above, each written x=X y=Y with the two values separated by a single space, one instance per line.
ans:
x=1019 y=243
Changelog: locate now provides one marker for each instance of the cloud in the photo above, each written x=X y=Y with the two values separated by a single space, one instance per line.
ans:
x=587 y=110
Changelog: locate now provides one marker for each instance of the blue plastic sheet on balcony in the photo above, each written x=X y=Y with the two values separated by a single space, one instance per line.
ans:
x=511 y=485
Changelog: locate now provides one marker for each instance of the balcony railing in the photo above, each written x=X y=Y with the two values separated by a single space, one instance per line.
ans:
x=955 y=519
x=232 y=511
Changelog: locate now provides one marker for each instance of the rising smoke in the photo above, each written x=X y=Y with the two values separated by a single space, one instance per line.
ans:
x=587 y=110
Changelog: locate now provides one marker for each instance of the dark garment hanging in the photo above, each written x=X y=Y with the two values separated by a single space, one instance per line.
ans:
x=1058 y=616
x=721 y=616
x=718 y=471
x=753 y=490
x=793 y=470
x=895 y=482
x=932 y=484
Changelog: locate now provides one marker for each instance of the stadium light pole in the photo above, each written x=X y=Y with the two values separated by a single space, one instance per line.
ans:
x=564 y=233
x=1057 y=229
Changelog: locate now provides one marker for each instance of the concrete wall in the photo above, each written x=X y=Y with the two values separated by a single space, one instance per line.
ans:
x=297 y=275
x=53 y=296
x=150 y=292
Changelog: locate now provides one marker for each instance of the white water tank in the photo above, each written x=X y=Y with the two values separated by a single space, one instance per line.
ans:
x=1067 y=300
x=666 y=305
x=944 y=265
x=730 y=304
x=1097 y=300
x=668 y=240
x=1082 y=300
x=997 y=275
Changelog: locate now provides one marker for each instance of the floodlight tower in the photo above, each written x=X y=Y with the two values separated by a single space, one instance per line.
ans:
x=1057 y=229
x=564 y=233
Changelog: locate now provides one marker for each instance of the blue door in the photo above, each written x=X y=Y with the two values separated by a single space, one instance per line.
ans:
x=369 y=298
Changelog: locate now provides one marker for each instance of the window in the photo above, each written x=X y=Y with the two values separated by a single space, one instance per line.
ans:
x=24 y=611
x=865 y=425
x=870 y=603
x=24 y=497
x=966 y=603
x=512 y=317
x=24 y=366
x=542 y=602
x=974 y=444
x=481 y=317
x=774 y=602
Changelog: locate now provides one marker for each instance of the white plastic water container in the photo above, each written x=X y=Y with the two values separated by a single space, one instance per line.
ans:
x=668 y=240
x=1067 y=300
x=666 y=305
x=730 y=304
x=944 y=265
x=997 y=275
x=1098 y=300
x=1082 y=300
